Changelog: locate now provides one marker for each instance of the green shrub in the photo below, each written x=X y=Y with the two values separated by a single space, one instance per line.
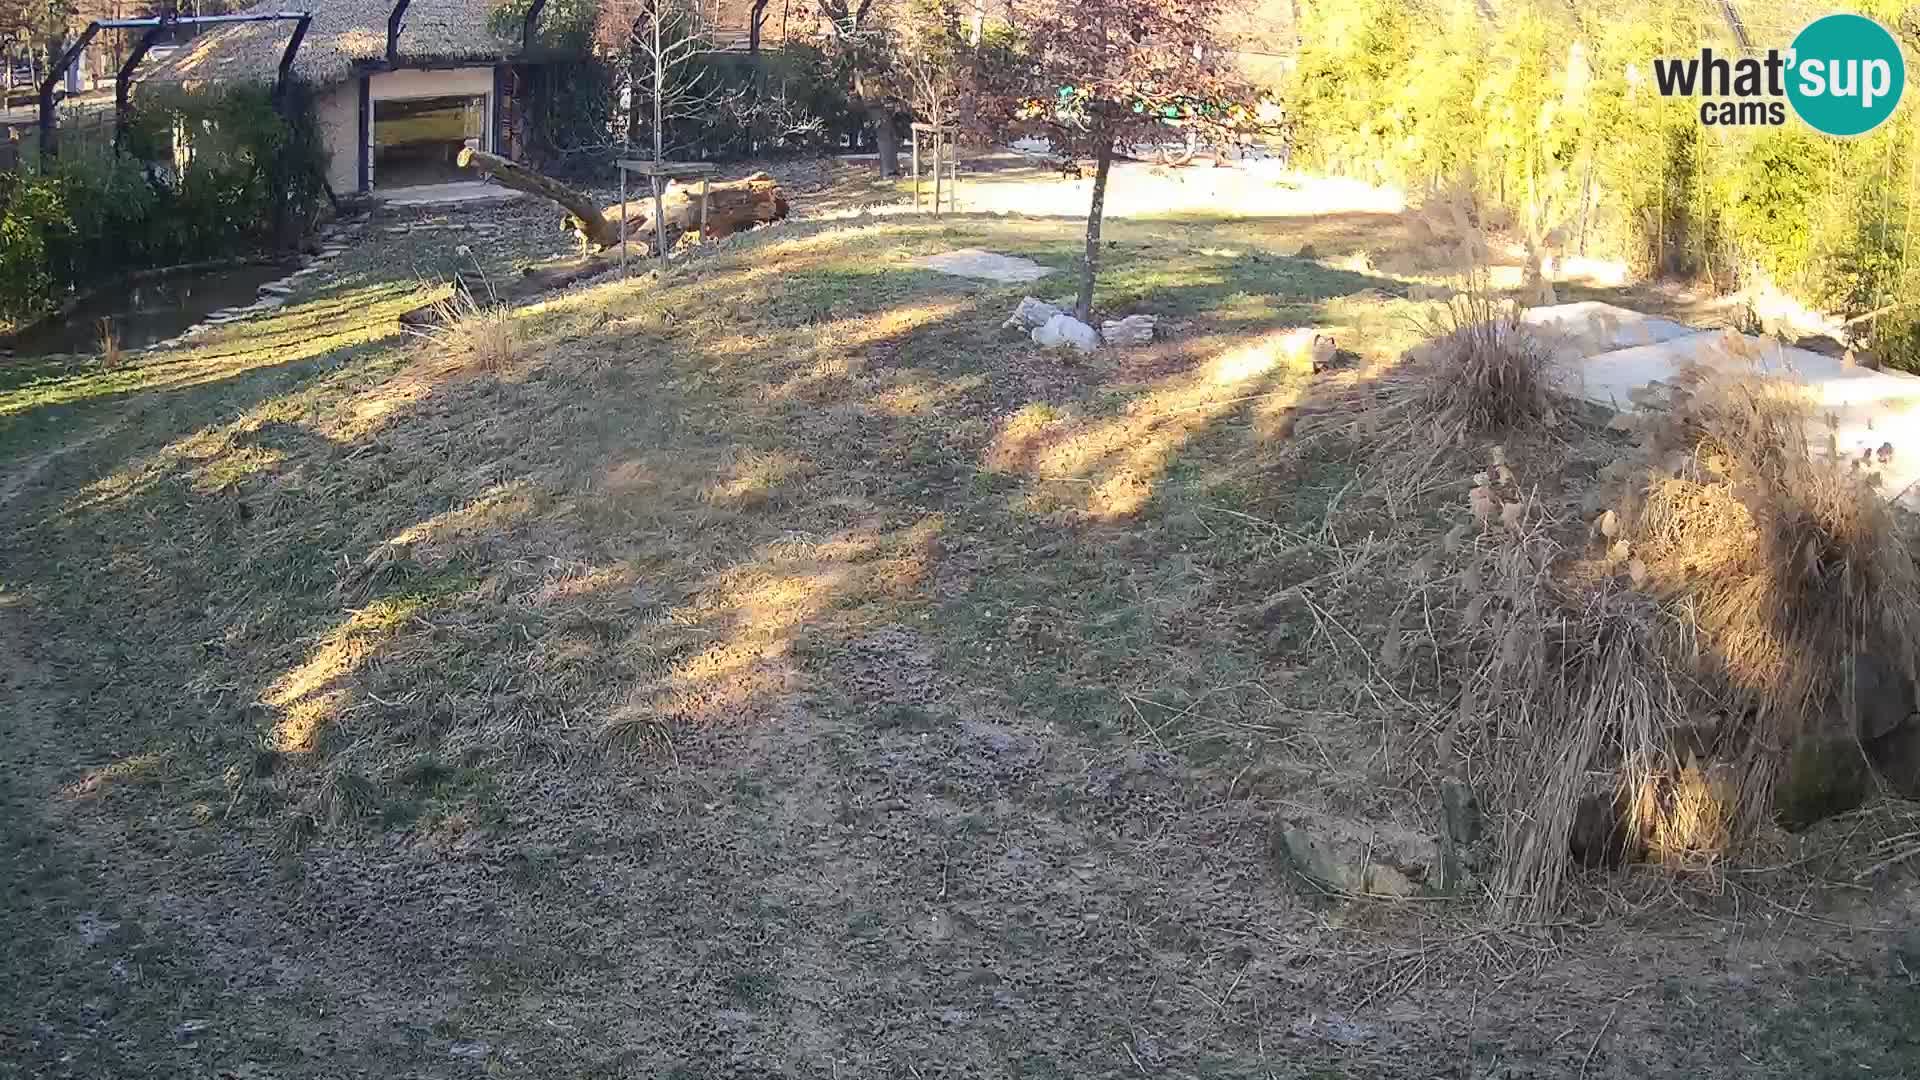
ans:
x=1776 y=188
x=33 y=211
x=1550 y=110
x=202 y=175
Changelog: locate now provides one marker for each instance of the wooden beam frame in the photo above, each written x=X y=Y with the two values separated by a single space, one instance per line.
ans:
x=654 y=171
x=49 y=137
x=531 y=25
x=394 y=21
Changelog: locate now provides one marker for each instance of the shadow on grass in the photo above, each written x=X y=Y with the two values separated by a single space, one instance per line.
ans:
x=795 y=545
x=838 y=392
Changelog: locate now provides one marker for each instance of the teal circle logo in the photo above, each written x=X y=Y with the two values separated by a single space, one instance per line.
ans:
x=1847 y=75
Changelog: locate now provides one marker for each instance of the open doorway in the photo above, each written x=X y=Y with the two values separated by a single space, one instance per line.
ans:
x=417 y=141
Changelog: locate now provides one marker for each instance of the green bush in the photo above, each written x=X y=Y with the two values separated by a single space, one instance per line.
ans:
x=1550 y=110
x=201 y=175
x=1774 y=203
x=34 y=210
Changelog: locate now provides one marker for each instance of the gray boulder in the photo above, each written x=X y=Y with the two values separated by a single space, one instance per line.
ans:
x=1064 y=330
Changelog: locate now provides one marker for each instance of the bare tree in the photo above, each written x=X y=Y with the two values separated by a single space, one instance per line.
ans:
x=1118 y=74
x=660 y=40
x=862 y=48
x=928 y=50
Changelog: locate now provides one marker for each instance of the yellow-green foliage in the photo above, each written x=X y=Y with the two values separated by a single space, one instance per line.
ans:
x=1551 y=109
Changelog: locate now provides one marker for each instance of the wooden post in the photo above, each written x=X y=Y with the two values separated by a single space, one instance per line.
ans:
x=953 y=175
x=916 y=169
x=937 y=136
x=705 y=181
x=659 y=221
x=623 y=221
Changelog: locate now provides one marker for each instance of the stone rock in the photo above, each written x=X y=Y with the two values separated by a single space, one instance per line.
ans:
x=268 y=303
x=1345 y=857
x=1031 y=315
x=984 y=266
x=1896 y=757
x=1132 y=330
x=1825 y=774
x=1465 y=824
x=276 y=288
x=1599 y=833
x=1064 y=330
x=1883 y=696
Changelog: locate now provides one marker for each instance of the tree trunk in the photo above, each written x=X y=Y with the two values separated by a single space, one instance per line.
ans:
x=756 y=19
x=659 y=141
x=586 y=216
x=884 y=139
x=732 y=206
x=1083 y=307
x=633 y=101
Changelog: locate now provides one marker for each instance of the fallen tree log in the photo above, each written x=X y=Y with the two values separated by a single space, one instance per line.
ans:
x=585 y=216
x=732 y=205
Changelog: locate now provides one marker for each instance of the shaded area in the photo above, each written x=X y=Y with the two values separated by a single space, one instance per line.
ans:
x=139 y=313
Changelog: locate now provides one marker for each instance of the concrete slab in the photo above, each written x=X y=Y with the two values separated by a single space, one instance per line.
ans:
x=1589 y=326
x=1863 y=410
x=984 y=266
x=464 y=192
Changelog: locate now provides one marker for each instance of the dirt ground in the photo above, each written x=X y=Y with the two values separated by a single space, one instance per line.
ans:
x=779 y=670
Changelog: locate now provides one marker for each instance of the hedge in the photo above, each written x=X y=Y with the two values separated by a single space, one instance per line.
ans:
x=200 y=175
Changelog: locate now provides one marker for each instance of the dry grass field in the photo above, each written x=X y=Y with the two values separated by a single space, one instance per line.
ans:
x=777 y=669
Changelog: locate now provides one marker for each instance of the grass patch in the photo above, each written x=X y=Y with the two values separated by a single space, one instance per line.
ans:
x=778 y=642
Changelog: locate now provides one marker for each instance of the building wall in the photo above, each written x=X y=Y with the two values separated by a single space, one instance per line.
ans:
x=412 y=83
x=339 y=111
x=339 y=115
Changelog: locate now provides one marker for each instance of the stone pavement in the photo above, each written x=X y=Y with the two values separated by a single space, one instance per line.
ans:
x=1604 y=353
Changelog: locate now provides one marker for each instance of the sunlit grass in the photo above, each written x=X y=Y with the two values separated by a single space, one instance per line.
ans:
x=308 y=696
x=663 y=516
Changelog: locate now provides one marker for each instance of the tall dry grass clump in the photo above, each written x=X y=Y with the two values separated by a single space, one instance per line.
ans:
x=1484 y=372
x=1636 y=687
x=1480 y=375
x=475 y=334
x=1673 y=667
x=472 y=332
x=1577 y=726
x=1780 y=558
x=1565 y=700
